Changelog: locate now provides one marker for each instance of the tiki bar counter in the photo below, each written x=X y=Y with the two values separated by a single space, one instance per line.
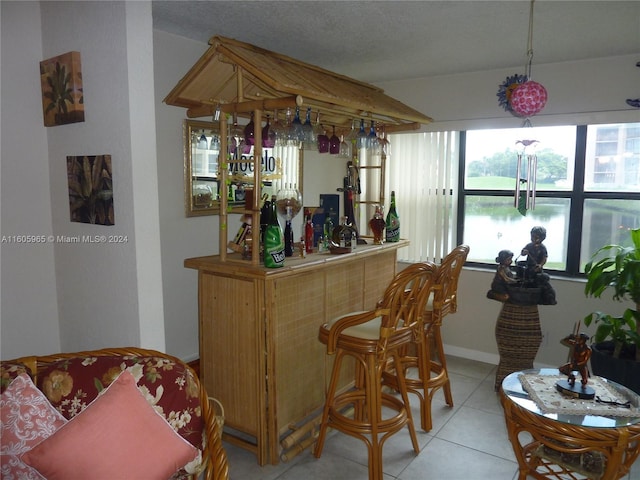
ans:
x=259 y=349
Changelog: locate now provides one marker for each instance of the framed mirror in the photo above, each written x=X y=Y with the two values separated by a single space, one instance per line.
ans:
x=280 y=167
x=201 y=150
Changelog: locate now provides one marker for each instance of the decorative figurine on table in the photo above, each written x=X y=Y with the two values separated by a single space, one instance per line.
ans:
x=534 y=275
x=579 y=355
x=503 y=278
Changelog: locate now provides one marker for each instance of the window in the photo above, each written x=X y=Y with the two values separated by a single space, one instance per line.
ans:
x=587 y=190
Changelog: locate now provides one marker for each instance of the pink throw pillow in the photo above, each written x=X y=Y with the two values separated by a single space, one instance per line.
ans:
x=119 y=435
x=27 y=419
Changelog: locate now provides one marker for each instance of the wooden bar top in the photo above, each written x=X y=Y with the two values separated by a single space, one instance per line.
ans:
x=235 y=265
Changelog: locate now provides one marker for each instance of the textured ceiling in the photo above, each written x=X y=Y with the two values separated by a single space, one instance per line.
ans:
x=376 y=41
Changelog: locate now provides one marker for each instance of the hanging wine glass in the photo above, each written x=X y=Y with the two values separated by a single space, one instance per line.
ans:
x=310 y=140
x=249 y=132
x=352 y=137
x=345 y=148
x=318 y=130
x=334 y=143
x=361 y=137
x=372 y=144
x=203 y=143
x=296 y=134
x=236 y=134
x=278 y=130
x=382 y=140
x=268 y=136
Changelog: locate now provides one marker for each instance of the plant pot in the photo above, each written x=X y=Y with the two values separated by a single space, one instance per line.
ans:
x=624 y=370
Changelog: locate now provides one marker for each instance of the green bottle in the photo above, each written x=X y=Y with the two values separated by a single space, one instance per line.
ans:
x=273 y=240
x=392 y=225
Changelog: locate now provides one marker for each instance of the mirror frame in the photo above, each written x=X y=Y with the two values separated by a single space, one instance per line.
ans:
x=193 y=207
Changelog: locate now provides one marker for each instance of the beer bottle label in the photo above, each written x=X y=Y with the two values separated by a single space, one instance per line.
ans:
x=273 y=247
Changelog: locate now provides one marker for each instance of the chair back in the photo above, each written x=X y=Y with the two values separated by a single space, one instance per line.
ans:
x=405 y=299
x=445 y=298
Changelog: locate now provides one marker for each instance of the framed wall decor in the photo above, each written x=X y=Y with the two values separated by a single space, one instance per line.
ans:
x=62 y=93
x=90 y=179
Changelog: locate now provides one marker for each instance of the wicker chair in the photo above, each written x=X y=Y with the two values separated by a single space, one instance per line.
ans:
x=214 y=459
x=428 y=354
x=373 y=339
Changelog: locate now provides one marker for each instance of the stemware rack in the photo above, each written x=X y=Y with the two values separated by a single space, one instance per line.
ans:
x=237 y=77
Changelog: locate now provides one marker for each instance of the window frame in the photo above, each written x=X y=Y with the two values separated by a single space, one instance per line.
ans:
x=577 y=197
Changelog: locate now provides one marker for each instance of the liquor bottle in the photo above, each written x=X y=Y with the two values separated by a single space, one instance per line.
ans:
x=328 y=226
x=308 y=234
x=265 y=215
x=392 y=224
x=377 y=225
x=288 y=239
x=273 y=241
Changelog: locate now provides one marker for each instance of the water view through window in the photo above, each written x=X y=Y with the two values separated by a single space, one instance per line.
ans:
x=588 y=179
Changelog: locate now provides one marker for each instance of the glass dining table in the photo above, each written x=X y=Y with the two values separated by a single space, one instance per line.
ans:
x=555 y=436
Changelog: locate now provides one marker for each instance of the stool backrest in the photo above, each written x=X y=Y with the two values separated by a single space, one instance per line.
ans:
x=406 y=297
x=445 y=299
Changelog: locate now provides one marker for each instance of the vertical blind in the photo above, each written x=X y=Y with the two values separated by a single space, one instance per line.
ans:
x=422 y=169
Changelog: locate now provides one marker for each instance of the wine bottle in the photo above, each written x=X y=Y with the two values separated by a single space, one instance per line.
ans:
x=392 y=225
x=273 y=241
x=288 y=239
x=265 y=214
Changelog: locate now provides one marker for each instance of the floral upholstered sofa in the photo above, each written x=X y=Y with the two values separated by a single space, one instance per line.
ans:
x=125 y=413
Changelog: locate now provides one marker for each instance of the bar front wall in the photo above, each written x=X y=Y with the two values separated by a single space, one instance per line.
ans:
x=259 y=348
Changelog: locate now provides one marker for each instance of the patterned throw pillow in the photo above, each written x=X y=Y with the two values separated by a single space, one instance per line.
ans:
x=72 y=384
x=119 y=424
x=27 y=419
x=169 y=386
x=9 y=371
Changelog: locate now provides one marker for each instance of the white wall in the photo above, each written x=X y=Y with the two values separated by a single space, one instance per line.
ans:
x=29 y=305
x=107 y=294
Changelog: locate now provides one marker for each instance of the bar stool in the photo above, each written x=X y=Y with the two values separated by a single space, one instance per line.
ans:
x=373 y=339
x=428 y=354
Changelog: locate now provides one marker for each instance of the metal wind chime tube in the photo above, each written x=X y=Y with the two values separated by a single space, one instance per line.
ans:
x=518 y=177
x=526 y=174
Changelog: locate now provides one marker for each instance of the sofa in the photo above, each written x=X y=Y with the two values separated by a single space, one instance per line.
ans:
x=123 y=413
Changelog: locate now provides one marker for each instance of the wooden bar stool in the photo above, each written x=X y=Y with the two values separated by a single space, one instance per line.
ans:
x=373 y=339
x=428 y=354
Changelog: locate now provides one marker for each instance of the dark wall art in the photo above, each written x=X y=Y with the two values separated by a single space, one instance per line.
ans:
x=90 y=189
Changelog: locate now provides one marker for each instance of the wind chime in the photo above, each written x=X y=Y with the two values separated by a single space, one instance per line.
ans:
x=523 y=97
x=526 y=172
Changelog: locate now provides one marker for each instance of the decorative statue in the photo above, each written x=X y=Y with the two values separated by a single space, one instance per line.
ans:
x=578 y=362
x=534 y=275
x=504 y=276
x=579 y=355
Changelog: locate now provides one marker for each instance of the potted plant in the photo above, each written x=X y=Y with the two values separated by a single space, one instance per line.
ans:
x=617 y=338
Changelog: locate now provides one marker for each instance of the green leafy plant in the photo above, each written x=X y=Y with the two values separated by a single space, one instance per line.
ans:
x=616 y=267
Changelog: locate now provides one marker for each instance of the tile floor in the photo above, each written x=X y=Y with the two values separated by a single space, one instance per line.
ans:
x=467 y=442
